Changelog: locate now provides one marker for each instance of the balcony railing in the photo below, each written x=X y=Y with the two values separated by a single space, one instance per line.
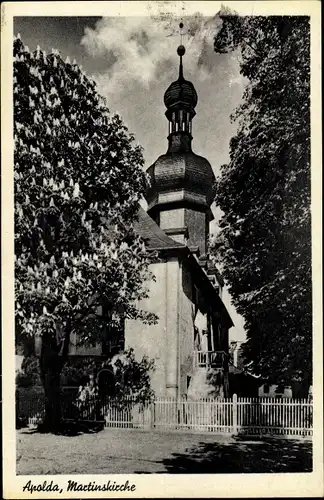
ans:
x=213 y=359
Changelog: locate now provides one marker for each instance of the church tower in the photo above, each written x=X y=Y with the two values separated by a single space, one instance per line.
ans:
x=181 y=189
x=189 y=341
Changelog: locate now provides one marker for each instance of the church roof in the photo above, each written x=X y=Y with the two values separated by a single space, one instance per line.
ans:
x=154 y=236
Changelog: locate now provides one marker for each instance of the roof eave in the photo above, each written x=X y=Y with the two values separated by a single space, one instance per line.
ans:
x=213 y=293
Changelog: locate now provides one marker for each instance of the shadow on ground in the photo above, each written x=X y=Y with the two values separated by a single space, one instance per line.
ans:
x=72 y=428
x=243 y=456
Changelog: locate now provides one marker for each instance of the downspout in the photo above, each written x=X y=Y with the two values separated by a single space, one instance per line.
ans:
x=178 y=330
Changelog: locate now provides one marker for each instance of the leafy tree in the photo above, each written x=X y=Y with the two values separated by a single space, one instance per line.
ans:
x=131 y=378
x=120 y=375
x=28 y=375
x=75 y=372
x=264 y=242
x=79 y=266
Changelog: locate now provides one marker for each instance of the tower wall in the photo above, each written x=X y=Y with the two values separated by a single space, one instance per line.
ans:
x=186 y=329
x=198 y=229
x=150 y=340
x=195 y=222
x=161 y=341
x=172 y=219
x=171 y=341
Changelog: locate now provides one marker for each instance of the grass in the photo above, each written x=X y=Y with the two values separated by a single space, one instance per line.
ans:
x=114 y=451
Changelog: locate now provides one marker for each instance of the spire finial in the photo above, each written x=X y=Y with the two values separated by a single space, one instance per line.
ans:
x=181 y=51
x=181 y=32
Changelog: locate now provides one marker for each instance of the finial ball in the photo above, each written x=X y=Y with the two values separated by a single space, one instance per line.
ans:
x=181 y=50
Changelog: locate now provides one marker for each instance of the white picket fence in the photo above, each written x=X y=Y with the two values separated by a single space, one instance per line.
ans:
x=253 y=416
x=278 y=416
x=265 y=416
x=127 y=414
x=205 y=415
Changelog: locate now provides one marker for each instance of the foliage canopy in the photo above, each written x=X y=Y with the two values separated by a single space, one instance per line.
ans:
x=78 y=180
x=264 y=242
x=80 y=268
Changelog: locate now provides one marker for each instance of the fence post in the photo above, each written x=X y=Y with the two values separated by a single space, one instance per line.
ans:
x=152 y=413
x=234 y=413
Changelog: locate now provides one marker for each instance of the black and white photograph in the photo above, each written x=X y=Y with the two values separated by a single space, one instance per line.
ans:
x=163 y=274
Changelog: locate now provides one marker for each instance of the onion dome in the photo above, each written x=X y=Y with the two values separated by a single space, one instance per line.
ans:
x=180 y=178
x=181 y=93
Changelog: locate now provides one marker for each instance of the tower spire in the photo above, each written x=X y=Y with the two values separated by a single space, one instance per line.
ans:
x=180 y=100
x=181 y=182
x=181 y=51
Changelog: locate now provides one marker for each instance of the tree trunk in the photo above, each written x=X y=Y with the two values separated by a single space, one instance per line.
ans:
x=53 y=355
x=50 y=370
x=300 y=390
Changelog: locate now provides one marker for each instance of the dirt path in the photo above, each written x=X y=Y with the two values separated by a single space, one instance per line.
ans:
x=115 y=451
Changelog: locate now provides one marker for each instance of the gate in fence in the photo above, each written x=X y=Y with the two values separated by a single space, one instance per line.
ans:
x=258 y=416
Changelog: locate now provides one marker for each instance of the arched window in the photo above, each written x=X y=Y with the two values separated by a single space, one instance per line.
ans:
x=187 y=122
x=180 y=117
x=173 y=122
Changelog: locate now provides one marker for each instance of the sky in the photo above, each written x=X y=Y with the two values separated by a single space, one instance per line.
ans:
x=133 y=60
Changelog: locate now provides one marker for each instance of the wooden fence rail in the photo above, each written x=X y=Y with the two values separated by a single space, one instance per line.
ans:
x=274 y=416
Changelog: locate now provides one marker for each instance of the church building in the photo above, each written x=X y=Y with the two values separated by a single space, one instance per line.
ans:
x=190 y=341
